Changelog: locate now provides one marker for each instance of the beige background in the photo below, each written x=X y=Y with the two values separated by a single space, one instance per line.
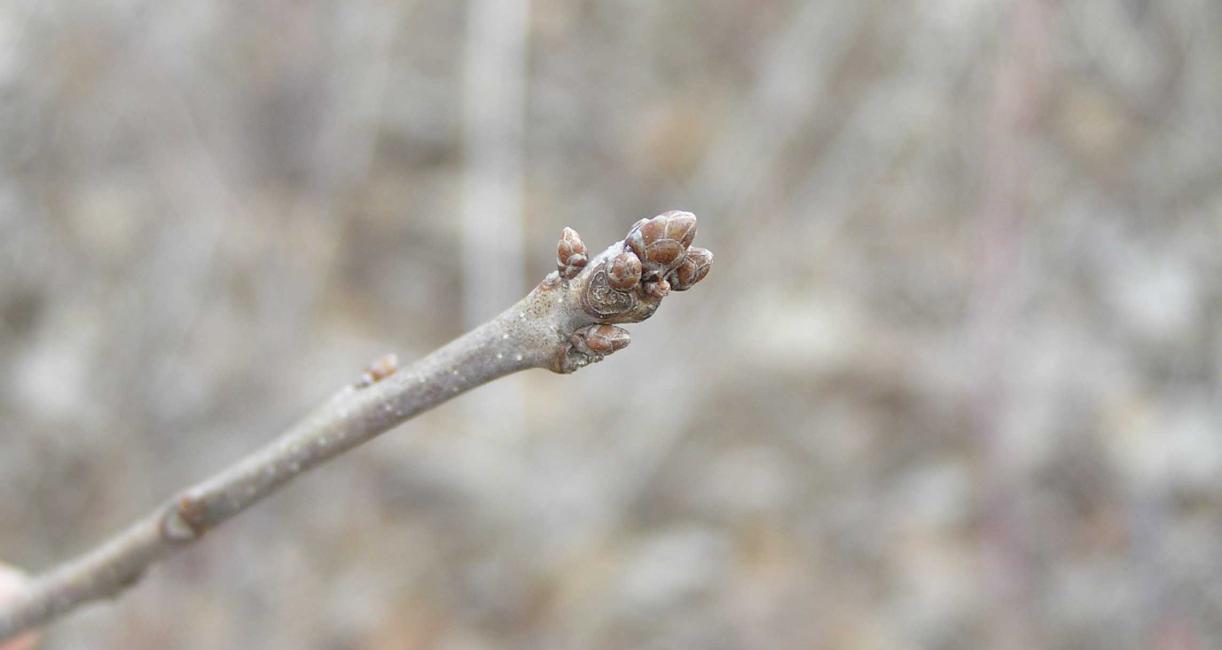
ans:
x=953 y=381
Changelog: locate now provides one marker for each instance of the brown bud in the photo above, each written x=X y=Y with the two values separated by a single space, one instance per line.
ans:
x=624 y=271
x=605 y=339
x=589 y=344
x=660 y=242
x=657 y=289
x=681 y=227
x=570 y=254
x=383 y=367
x=692 y=269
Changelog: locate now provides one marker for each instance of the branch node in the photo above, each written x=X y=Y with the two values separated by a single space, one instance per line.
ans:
x=603 y=301
x=186 y=521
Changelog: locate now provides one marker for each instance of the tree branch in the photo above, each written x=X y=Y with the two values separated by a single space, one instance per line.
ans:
x=565 y=323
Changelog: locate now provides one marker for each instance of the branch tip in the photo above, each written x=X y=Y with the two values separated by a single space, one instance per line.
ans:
x=627 y=282
x=568 y=322
x=662 y=242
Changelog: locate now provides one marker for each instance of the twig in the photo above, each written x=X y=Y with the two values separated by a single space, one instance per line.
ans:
x=565 y=323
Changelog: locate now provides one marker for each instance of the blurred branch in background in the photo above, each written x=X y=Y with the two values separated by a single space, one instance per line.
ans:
x=494 y=107
x=1019 y=93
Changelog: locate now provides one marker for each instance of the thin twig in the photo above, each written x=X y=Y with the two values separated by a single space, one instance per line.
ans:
x=565 y=323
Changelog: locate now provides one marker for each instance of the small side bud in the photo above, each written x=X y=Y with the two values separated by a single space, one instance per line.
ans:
x=692 y=269
x=605 y=339
x=657 y=289
x=570 y=254
x=624 y=271
x=590 y=344
x=661 y=242
x=186 y=521
x=381 y=368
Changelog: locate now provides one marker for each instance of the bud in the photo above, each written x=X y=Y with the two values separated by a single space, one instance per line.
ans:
x=692 y=269
x=660 y=242
x=381 y=368
x=605 y=339
x=570 y=254
x=657 y=289
x=624 y=271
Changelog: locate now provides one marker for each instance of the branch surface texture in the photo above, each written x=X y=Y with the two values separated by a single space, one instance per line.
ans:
x=567 y=322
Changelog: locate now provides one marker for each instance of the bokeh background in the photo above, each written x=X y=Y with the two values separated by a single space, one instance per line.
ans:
x=953 y=381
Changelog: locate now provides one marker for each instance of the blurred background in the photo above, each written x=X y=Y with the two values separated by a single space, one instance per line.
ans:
x=954 y=381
